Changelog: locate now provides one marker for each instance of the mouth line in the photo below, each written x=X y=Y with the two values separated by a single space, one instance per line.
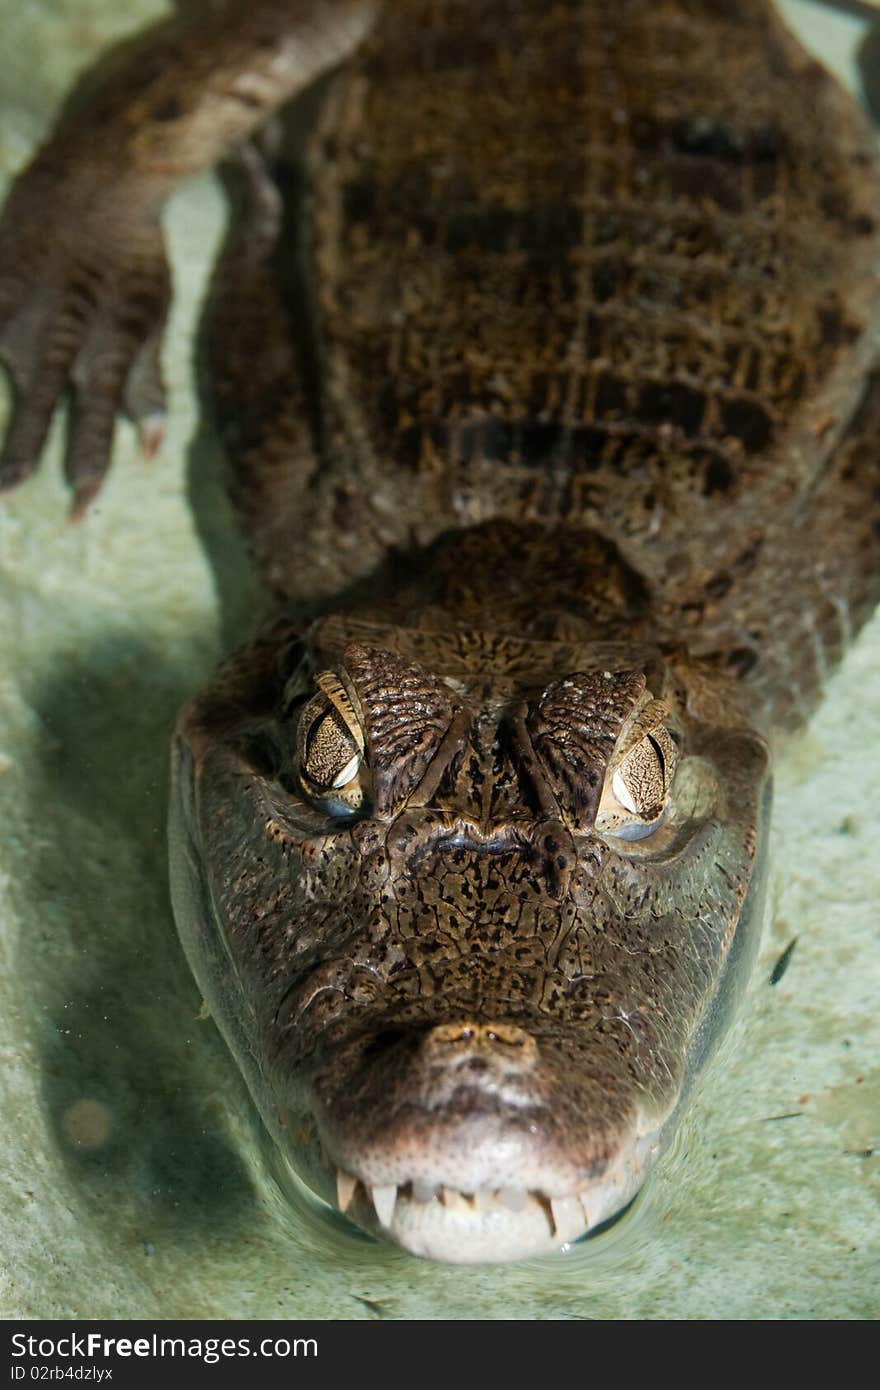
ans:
x=486 y=1207
x=488 y=1224
x=564 y=1215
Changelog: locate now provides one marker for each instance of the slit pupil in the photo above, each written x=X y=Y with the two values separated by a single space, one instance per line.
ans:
x=660 y=758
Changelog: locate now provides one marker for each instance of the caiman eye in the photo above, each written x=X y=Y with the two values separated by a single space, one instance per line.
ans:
x=330 y=750
x=637 y=786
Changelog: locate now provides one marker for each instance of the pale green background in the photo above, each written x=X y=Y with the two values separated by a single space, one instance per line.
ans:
x=105 y=628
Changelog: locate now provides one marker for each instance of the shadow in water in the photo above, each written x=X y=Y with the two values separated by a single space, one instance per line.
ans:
x=142 y=1094
x=139 y=1090
x=249 y=406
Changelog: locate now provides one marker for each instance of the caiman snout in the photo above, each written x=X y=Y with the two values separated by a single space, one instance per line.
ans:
x=456 y=1140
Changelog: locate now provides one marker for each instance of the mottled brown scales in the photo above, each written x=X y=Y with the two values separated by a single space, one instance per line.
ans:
x=570 y=287
x=547 y=374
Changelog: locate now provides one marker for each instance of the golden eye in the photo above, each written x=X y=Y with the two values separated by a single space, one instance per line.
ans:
x=637 y=788
x=330 y=749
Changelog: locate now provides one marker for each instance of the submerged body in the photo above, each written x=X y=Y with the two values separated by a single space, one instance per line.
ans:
x=559 y=446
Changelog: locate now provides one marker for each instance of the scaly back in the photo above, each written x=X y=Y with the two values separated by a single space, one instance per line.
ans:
x=604 y=266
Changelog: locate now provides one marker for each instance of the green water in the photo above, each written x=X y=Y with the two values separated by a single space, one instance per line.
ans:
x=135 y=1181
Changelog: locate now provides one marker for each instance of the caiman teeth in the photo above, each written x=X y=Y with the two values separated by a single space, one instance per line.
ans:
x=514 y=1198
x=568 y=1217
x=384 y=1200
x=423 y=1191
x=453 y=1200
x=345 y=1186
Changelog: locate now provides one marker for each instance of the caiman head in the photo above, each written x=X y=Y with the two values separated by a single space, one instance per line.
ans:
x=470 y=911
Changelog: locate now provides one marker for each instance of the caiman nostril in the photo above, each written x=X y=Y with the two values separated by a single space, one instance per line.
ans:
x=480 y=1043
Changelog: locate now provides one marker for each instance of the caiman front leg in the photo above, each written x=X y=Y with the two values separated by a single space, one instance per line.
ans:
x=84 y=280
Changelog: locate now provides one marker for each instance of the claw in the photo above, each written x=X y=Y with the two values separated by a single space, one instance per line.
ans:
x=144 y=397
x=151 y=432
x=83 y=498
x=29 y=426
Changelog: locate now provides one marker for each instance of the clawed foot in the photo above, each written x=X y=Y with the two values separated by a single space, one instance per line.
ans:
x=84 y=292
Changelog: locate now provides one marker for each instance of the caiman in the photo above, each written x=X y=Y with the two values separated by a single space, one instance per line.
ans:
x=547 y=374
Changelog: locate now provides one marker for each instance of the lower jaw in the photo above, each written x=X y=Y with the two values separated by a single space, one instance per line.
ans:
x=482 y=1226
x=495 y=1226
x=458 y=1228
x=462 y=1230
